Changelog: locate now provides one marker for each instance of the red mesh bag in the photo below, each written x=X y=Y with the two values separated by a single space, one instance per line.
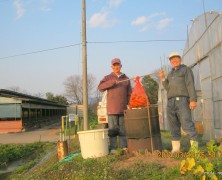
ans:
x=138 y=97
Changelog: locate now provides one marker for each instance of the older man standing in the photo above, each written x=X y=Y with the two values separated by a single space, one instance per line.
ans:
x=182 y=98
x=118 y=95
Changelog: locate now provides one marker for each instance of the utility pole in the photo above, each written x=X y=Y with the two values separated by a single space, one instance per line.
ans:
x=205 y=18
x=84 y=67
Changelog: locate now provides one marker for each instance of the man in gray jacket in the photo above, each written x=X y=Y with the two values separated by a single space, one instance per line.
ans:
x=118 y=95
x=182 y=98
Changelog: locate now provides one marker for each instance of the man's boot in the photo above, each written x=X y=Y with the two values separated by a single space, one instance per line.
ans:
x=175 y=146
x=194 y=143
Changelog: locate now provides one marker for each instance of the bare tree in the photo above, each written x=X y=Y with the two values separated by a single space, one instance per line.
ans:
x=40 y=95
x=155 y=75
x=14 y=88
x=74 y=89
x=18 y=89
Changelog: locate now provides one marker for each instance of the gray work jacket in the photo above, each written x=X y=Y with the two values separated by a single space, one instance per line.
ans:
x=180 y=82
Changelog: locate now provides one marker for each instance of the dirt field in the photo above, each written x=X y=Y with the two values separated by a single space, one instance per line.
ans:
x=48 y=133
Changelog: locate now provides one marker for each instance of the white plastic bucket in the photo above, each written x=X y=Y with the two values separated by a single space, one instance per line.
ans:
x=93 y=143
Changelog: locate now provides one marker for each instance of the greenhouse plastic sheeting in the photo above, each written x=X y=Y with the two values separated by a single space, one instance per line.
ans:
x=203 y=52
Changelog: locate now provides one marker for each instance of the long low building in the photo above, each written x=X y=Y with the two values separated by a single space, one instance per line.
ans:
x=21 y=111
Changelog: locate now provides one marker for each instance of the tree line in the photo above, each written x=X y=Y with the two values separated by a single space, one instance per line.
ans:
x=74 y=90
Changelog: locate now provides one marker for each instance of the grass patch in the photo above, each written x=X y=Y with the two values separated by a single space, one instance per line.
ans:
x=30 y=153
x=104 y=168
x=13 y=152
x=27 y=166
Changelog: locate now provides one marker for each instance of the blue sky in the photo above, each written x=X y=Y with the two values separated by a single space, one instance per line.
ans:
x=28 y=26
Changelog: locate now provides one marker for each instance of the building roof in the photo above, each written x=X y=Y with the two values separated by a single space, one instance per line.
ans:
x=26 y=97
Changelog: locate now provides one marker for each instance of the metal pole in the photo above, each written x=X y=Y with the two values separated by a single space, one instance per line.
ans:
x=205 y=18
x=188 y=37
x=66 y=128
x=63 y=117
x=150 y=128
x=137 y=76
x=163 y=113
x=161 y=64
x=69 y=136
x=164 y=62
x=84 y=67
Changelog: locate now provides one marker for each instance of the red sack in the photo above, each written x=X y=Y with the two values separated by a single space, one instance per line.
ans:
x=138 y=97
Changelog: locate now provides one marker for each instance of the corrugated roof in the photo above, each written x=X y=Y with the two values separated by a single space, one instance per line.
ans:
x=26 y=97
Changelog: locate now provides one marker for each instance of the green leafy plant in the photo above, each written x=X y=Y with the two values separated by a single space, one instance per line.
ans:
x=200 y=165
x=93 y=120
x=212 y=148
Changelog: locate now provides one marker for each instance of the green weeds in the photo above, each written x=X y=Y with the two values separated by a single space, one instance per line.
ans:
x=13 y=152
x=30 y=153
x=201 y=164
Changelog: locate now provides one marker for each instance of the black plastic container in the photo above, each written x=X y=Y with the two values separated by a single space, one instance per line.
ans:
x=144 y=144
x=143 y=129
x=137 y=123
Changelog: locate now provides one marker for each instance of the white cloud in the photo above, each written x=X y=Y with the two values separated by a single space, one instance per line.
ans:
x=20 y=10
x=152 y=21
x=139 y=21
x=44 y=5
x=155 y=15
x=114 y=3
x=143 y=19
x=145 y=28
x=100 y=20
x=163 y=23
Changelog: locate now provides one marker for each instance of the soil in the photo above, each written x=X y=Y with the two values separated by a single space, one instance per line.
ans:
x=147 y=157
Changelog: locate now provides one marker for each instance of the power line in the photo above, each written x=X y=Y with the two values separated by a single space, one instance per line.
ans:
x=95 y=42
x=34 y=52
x=144 y=41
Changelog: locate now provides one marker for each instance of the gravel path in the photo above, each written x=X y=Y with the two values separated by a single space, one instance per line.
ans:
x=48 y=133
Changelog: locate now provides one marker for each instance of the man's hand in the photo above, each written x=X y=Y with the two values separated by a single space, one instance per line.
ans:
x=162 y=75
x=193 y=104
x=114 y=82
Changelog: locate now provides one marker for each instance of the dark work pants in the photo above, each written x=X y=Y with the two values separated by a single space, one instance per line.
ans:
x=179 y=115
x=117 y=128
